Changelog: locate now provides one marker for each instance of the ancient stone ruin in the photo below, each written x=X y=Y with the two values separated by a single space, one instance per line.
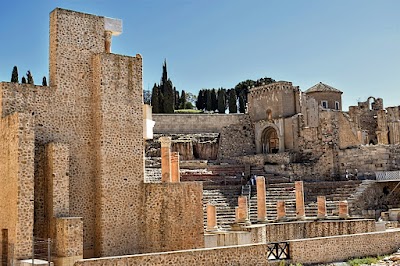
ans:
x=295 y=173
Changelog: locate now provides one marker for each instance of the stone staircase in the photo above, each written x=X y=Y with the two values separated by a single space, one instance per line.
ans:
x=225 y=200
x=275 y=192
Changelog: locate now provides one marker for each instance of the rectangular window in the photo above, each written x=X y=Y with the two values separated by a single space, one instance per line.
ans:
x=337 y=106
x=324 y=104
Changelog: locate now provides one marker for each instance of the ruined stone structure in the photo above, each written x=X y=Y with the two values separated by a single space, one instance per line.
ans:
x=71 y=155
x=303 y=135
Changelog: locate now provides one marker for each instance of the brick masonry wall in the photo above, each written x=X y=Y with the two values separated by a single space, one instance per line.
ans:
x=173 y=217
x=234 y=255
x=310 y=229
x=196 y=123
x=339 y=248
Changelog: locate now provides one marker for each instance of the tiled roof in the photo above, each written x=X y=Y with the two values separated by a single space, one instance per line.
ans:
x=321 y=87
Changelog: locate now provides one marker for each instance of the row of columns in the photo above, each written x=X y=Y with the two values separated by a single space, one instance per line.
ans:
x=242 y=211
x=169 y=162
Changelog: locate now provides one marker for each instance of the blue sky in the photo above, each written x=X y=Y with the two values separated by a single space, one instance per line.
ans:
x=353 y=45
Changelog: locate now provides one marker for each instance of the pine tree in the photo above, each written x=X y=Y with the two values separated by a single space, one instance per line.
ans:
x=14 y=75
x=29 y=77
x=44 y=81
x=23 y=80
x=155 y=99
x=221 y=101
x=232 y=102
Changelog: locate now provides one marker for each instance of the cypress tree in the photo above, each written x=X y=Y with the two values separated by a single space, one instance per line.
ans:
x=200 y=100
x=176 y=99
x=232 y=102
x=242 y=107
x=214 y=101
x=182 y=100
x=23 y=80
x=29 y=77
x=208 y=100
x=155 y=99
x=168 y=97
x=44 y=81
x=14 y=75
x=221 y=101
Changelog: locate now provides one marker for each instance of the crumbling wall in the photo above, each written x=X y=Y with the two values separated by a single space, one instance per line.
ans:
x=236 y=140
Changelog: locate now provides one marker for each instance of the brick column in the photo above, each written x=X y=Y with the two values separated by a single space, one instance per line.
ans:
x=211 y=217
x=299 y=190
x=165 y=159
x=175 y=174
x=343 y=209
x=280 y=209
x=321 y=201
x=261 y=205
x=242 y=212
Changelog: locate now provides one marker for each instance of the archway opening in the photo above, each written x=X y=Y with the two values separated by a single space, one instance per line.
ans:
x=270 y=141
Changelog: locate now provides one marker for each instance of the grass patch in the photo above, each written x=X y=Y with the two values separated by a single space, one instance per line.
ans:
x=188 y=111
x=366 y=260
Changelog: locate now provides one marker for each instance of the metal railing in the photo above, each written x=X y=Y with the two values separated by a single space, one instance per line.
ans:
x=278 y=251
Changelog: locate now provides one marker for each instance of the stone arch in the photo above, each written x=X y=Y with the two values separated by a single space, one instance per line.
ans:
x=270 y=140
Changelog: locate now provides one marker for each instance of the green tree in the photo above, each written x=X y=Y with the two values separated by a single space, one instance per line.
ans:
x=188 y=105
x=176 y=99
x=182 y=100
x=155 y=99
x=208 y=100
x=14 y=75
x=214 y=101
x=23 y=80
x=242 y=107
x=221 y=101
x=167 y=92
x=200 y=103
x=232 y=102
x=29 y=77
x=44 y=81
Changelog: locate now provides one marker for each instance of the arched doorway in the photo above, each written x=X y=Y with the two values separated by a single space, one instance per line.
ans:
x=270 y=141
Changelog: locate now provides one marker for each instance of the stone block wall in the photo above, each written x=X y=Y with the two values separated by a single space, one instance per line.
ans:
x=172 y=217
x=193 y=123
x=234 y=255
x=16 y=182
x=236 y=140
x=119 y=149
x=310 y=229
x=341 y=248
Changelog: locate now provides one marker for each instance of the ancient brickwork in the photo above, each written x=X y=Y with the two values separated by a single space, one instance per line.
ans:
x=341 y=248
x=119 y=152
x=236 y=140
x=193 y=123
x=309 y=229
x=169 y=223
x=265 y=102
x=16 y=181
x=233 y=255
x=332 y=98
